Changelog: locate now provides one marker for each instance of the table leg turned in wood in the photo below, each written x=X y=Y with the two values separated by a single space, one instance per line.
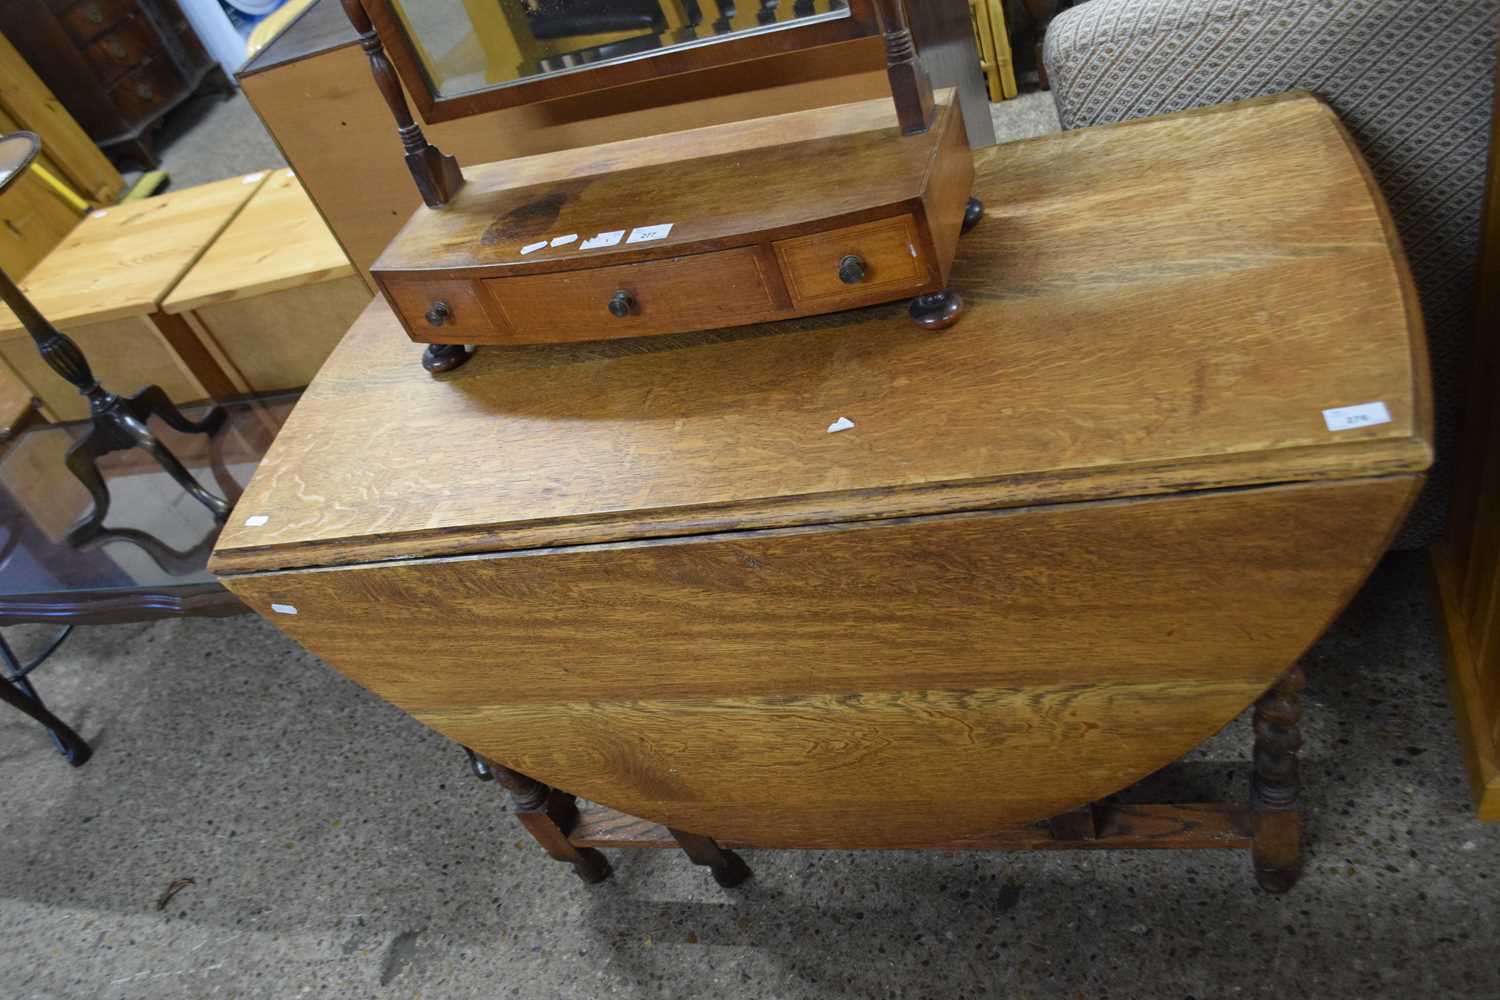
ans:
x=727 y=867
x=549 y=815
x=1275 y=815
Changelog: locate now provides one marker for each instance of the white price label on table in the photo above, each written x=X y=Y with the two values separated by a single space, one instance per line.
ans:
x=1347 y=418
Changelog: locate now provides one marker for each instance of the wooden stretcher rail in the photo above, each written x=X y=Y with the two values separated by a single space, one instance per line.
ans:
x=1107 y=828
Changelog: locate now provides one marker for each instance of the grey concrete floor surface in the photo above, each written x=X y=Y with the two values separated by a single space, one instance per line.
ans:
x=340 y=849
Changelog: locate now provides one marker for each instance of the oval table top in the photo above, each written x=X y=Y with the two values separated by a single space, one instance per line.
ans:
x=1063 y=543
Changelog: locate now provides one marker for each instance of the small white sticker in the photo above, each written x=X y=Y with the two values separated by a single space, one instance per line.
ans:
x=841 y=424
x=283 y=609
x=645 y=234
x=252 y=178
x=532 y=247
x=558 y=241
x=99 y=214
x=258 y=521
x=1345 y=418
x=609 y=239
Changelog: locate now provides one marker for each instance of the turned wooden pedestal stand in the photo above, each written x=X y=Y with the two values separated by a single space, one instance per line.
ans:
x=1270 y=826
x=120 y=423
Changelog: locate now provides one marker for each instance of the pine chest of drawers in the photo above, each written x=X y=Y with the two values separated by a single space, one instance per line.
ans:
x=836 y=582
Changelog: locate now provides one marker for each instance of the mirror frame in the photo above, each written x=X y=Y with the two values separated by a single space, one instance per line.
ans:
x=862 y=22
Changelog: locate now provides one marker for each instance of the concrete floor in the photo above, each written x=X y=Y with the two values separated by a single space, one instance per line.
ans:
x=339 y=849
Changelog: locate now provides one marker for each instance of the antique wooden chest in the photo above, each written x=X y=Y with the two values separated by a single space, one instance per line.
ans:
x=838 y=582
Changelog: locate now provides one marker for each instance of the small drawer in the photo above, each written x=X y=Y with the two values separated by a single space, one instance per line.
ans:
x=118 y=52
x=88 y=19
x=146 y=89
x=698 y=292
x=854 y=265
x=442 y=311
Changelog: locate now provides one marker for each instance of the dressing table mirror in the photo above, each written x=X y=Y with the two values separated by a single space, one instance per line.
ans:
x=795 y=214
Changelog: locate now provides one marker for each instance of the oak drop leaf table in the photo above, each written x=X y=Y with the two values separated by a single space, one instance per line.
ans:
x=1053 y=549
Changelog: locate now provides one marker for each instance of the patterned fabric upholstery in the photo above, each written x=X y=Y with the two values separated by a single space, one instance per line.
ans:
x=1413 y=79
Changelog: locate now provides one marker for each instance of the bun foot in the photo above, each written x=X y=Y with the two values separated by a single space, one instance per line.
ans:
x=972 y=214
x=937 y=310
x=732 y=872
x=440 y=358
x=591 y=866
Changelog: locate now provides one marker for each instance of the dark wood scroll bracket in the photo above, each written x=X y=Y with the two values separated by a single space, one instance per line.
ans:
x=910 y=85
x=438 y=176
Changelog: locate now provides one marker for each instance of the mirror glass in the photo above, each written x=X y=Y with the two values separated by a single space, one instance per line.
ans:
x=472 y=45
x=17 y=150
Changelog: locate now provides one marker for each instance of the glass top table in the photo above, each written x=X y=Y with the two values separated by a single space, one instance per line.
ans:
x=151 y=559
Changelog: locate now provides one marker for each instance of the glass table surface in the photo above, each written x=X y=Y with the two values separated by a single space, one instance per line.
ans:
x=156 y=538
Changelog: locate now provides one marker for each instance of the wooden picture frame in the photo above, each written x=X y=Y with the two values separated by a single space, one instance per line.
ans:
x=863 y=20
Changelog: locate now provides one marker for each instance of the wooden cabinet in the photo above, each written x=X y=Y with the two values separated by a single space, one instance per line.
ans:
x=118 y=66
x=1050 y=550
x=274 y=293
x=1467 y=560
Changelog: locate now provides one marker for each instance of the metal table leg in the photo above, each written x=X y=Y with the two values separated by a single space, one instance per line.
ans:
x=17 y=691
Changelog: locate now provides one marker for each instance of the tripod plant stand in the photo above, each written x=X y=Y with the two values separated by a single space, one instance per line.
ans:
x=119 y=422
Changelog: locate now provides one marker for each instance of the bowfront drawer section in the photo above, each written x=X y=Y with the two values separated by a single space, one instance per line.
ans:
x=452 y=311
x=855 y=265
x=699 y=292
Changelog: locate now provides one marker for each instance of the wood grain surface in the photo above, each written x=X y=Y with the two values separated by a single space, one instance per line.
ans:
x=279 y=340
x=1157 y=306
x=722 y=288
x=277 y=241
x=900 y=683
x=719 y=186
x=124 y=260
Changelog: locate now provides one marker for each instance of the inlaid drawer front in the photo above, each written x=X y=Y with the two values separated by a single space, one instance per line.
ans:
x=146 y=88
x=116 y=53
x=89 y=19
x=443 y=311
x=702 y=291
x=854 y=263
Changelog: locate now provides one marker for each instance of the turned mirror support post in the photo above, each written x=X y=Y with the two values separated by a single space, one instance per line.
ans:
x=910 y=86
x=438 y=176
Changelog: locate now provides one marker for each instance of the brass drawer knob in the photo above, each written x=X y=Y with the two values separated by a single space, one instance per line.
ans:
x=852 y=269
x=622 y=305
x=439 y=314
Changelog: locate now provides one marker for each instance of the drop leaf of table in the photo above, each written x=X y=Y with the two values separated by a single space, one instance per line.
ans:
x=1063 y=543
